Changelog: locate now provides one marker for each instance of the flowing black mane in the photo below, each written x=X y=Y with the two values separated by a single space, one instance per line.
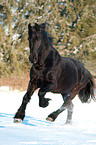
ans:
x=52 y=73
x=51 y=39
x=43 y=26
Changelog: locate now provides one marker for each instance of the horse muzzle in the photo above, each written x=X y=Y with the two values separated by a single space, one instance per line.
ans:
x=33 y=59
x=30 y=58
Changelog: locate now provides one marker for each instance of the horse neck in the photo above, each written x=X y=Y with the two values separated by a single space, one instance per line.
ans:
x=45 y=41
x=45 y=48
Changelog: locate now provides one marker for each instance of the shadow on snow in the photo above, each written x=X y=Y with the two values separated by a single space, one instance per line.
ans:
x=30 y=121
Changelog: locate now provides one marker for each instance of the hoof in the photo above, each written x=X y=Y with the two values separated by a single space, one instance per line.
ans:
x=44 y=102
x=17 y=120
x=68 y=122
x=49 y=119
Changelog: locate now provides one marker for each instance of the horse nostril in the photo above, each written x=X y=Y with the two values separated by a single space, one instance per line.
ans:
x=35 y=59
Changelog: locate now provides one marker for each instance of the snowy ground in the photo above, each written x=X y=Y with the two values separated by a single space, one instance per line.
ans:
x=35 y=130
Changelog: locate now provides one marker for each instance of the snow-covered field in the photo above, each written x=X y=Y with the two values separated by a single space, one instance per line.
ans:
x=35 y=130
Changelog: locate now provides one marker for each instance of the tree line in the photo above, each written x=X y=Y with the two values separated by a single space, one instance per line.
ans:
x=72 y=24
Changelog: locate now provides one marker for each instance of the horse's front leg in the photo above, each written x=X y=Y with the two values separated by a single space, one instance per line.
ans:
x=19 y=116
x=44 y=102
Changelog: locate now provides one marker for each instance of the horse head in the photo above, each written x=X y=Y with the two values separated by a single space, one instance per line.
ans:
x=34 y=37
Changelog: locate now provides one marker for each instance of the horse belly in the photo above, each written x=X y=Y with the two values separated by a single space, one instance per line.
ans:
x=67 y=79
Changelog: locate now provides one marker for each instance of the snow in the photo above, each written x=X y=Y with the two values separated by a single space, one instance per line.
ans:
x=35 y=130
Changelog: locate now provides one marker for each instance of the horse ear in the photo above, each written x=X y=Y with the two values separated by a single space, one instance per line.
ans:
x=29 y=26
x=43 y=25
x=37 y=27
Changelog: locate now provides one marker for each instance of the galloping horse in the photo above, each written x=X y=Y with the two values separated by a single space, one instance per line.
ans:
x=52 y=73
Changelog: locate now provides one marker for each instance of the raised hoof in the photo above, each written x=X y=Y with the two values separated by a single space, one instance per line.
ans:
x=17 y=120
x=49 y=119
x=44 y=102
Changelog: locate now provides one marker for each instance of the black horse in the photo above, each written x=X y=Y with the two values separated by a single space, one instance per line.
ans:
x=52 y=73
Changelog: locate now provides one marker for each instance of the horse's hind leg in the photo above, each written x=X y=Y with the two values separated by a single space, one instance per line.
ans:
x=67 y=97
x=69 y=113
x=54 y=114
x=68 y=106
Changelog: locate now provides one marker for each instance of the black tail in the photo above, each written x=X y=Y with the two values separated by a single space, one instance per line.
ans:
x=87 y=93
